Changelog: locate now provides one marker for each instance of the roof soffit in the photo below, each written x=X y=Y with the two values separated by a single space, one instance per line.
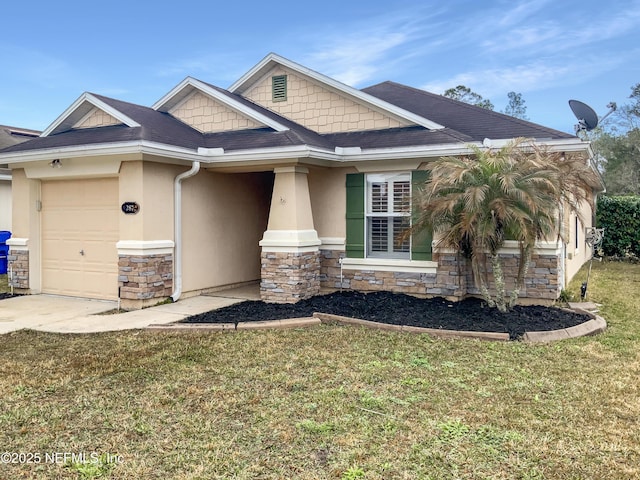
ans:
x=80 y=109
x=259 y=71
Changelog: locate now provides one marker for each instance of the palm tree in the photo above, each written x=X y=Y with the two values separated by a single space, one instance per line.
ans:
x=473 y=204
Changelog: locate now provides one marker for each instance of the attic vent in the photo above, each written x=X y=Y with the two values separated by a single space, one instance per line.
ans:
x=279 y=88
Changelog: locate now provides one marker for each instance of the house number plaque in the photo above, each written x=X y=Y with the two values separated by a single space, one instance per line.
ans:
x=130 y=207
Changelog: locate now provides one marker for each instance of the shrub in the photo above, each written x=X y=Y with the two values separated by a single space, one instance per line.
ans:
x=620 y=217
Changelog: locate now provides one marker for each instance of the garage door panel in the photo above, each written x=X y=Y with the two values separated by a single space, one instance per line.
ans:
x=79 y=235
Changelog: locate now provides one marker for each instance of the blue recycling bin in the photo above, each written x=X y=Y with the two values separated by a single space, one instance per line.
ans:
x=4 y=250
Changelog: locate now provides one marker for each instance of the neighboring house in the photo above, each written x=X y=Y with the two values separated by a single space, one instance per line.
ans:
x=288 y=177
x=9 y=136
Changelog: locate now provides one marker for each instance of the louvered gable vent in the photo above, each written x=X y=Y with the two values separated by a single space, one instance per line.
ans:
x=279 y=88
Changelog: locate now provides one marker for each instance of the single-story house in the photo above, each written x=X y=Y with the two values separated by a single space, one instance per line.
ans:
x=9 y=136
x=288 y=177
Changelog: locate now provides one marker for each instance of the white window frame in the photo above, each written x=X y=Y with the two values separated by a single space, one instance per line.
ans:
x=390 y=213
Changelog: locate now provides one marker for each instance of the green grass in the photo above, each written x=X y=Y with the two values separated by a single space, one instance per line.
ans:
x=4 y=284
x=330 y=402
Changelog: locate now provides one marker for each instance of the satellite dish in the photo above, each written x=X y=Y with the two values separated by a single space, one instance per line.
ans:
x=587 y=117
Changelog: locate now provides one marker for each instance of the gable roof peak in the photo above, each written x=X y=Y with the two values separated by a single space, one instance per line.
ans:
x=189 y=85
x=273 y=59
x=80 y=108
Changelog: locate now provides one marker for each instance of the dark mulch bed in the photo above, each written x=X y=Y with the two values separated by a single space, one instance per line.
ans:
x=400 y=309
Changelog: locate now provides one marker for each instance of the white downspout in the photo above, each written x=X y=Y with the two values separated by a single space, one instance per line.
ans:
x=177 y=227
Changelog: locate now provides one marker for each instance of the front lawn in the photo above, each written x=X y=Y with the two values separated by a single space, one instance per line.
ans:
x=328 y=402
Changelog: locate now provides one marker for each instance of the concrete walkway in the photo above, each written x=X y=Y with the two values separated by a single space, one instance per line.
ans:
x=50 y=313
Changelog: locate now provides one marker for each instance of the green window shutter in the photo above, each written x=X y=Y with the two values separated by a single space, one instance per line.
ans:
x=355 y=215
x=420 y=241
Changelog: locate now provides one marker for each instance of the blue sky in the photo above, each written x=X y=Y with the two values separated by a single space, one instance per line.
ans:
x=548 y=50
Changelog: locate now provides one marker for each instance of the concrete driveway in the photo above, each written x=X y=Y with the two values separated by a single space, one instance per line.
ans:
x=50 y=313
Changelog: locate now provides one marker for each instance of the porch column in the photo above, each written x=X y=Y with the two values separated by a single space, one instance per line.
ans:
x=290 y=259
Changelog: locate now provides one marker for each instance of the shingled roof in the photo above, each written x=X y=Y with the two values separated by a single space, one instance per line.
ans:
x=463 y=124
x=474 y=122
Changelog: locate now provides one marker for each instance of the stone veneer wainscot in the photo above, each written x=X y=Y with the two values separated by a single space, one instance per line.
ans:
x=18 y=261
x=145 y=272
x=289 y=276
x=452 y=278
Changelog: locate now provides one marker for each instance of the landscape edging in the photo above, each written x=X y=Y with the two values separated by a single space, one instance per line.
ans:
x=596 y=325
x=330 y=318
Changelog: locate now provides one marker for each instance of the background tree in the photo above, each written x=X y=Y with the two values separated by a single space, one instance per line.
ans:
x=516 y=106
x=472 y=204
x=617 y=144
x=465 y=94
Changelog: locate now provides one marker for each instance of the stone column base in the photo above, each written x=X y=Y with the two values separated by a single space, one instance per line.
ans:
x=18 y=266
x=288 y=277
x=144 y=280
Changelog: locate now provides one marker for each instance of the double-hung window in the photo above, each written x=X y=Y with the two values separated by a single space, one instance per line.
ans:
x=388 y=215
x=378 y=209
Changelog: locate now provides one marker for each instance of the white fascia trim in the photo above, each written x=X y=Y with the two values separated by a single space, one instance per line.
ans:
x=273 y=59
x=18 y=244
x=6 y=177
x=558 y=144
x=224 y=99
x=87 y=97
x=218 y=155
x=145 y=247
x=215 y=155
x=389 y=265
x=270 y=153
x=122 y=148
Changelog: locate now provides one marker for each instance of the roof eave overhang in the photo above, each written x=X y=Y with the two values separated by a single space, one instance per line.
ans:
x=273 y=59
x=213 y=156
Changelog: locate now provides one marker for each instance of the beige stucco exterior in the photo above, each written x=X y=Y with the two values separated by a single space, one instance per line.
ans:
x=147 y=184
x=317 y=107
x=224 y=217
x=273 y=212
x=26 y=223
x=577 y=252
x=328 y=200
x=207 y=115
x=290 y=204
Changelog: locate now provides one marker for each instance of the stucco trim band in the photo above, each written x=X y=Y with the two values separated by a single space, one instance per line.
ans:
x=18 y=244
x=145 y=247
x=389 y=265
x=332 y=243
x=290 y=241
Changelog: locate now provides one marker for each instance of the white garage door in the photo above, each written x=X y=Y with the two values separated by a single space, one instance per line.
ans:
x=79 y=234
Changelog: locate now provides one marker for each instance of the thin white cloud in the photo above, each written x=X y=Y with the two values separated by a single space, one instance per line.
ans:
x=355 y=59
x=359 y=53
x=528 y=77
x=514 y=13
x=535 y=35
